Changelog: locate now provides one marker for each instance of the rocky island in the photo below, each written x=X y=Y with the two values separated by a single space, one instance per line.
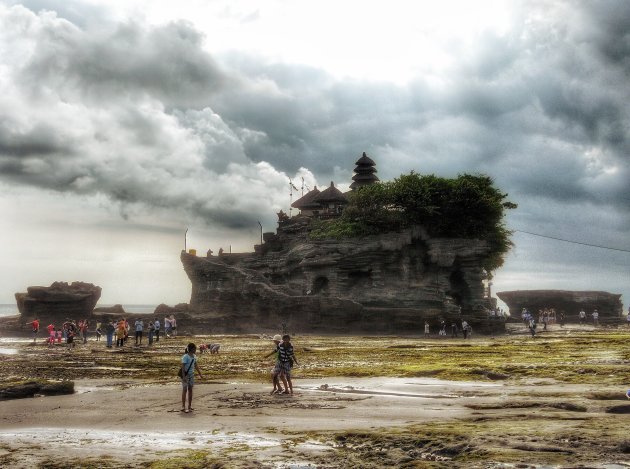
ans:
x=381 y=282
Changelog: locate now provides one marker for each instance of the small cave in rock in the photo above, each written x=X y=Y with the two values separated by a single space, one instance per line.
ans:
x=320 y=286
x=360 y=278
x=459 y=290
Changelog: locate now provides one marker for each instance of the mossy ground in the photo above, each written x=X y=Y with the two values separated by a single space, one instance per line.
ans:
x=542 y=428
x=570 y=356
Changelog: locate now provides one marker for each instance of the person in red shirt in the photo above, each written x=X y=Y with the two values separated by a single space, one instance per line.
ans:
x=35 y=325
x=52 y=333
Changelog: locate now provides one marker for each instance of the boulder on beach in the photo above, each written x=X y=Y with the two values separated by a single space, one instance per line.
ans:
x=60 y=299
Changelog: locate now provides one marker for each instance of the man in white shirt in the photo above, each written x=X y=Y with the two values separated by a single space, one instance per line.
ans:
x=582 y=316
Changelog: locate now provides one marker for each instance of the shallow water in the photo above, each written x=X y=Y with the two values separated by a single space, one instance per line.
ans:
x=133 y=440
x=8 y=351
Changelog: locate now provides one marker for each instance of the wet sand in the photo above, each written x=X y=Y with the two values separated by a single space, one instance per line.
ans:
x=522 y=420
x=128 y=423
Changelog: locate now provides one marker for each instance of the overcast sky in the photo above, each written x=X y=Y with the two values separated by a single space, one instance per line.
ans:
x=123 y=123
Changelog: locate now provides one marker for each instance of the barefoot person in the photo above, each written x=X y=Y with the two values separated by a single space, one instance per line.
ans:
x=189 y=365
x=287 y=359
x=277 y=369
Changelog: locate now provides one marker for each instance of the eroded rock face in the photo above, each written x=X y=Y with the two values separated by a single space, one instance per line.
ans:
x=62 y=300
x=383 y=284
x=571 y=302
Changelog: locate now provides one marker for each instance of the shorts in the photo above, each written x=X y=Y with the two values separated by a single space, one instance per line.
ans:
x=188 y=381
x=277 y=369
x=285 y=369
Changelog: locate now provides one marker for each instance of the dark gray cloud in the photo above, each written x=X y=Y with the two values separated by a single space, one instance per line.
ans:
x=145 y=115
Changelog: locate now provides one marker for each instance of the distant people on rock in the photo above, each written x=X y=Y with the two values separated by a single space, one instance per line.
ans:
x=426 y=329
x=442 y=328
x=595 y=318
x=562 y=318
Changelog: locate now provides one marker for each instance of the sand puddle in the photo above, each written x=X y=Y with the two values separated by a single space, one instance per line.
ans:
x=116 y=439
x=402 y=387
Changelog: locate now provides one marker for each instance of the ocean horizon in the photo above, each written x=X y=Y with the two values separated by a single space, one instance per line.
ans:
x=10 y=309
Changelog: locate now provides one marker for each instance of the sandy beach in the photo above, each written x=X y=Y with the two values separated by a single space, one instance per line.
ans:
x=331 y=421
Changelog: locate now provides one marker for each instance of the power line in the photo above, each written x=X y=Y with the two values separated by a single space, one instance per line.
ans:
x=573 y=242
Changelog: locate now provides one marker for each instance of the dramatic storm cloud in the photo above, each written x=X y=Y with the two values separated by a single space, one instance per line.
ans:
x=198 y=117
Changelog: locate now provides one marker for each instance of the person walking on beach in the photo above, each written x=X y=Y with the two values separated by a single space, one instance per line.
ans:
x=151 y=332
x=426 y=329
x=84 y=330
x=157 y=330
x=139 y=326
x=120 y=333
x=465 y=327
x=532 y=327
x=173 y=326
x=277 y=370
x=167 y=327
x=52 y=333
x=189 y=365
x=35 y=328
x=582 y=316
x=99 y=331
x=595 y=318
x=109 y=332
x=287 y=359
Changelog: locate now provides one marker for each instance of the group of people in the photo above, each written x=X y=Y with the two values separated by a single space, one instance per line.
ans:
x=67 y=332
x=582 y=316
x=465 y=327
x=70 y=330
x=280 y=375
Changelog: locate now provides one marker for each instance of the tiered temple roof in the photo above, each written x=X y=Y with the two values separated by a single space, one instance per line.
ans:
x=364 y=172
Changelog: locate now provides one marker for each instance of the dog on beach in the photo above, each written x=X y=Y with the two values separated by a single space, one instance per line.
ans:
x=211 y=348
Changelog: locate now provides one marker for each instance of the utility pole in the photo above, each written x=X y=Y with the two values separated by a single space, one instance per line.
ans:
x=185 y=234
x=260 y=224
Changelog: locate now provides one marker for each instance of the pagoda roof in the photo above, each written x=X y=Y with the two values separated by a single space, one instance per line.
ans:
x=365 y=161
x=306 y=200
x=331 y=194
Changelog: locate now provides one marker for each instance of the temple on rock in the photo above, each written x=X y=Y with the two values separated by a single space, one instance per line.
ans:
x=385 y=283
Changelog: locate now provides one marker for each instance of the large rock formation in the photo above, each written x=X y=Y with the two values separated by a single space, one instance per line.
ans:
x=571 y=302
x=386 y=283
x=60 y=300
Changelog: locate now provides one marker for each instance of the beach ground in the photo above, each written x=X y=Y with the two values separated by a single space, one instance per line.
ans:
x=510 y=401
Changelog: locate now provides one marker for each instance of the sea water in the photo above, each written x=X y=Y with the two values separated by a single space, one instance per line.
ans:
x=11 y=309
